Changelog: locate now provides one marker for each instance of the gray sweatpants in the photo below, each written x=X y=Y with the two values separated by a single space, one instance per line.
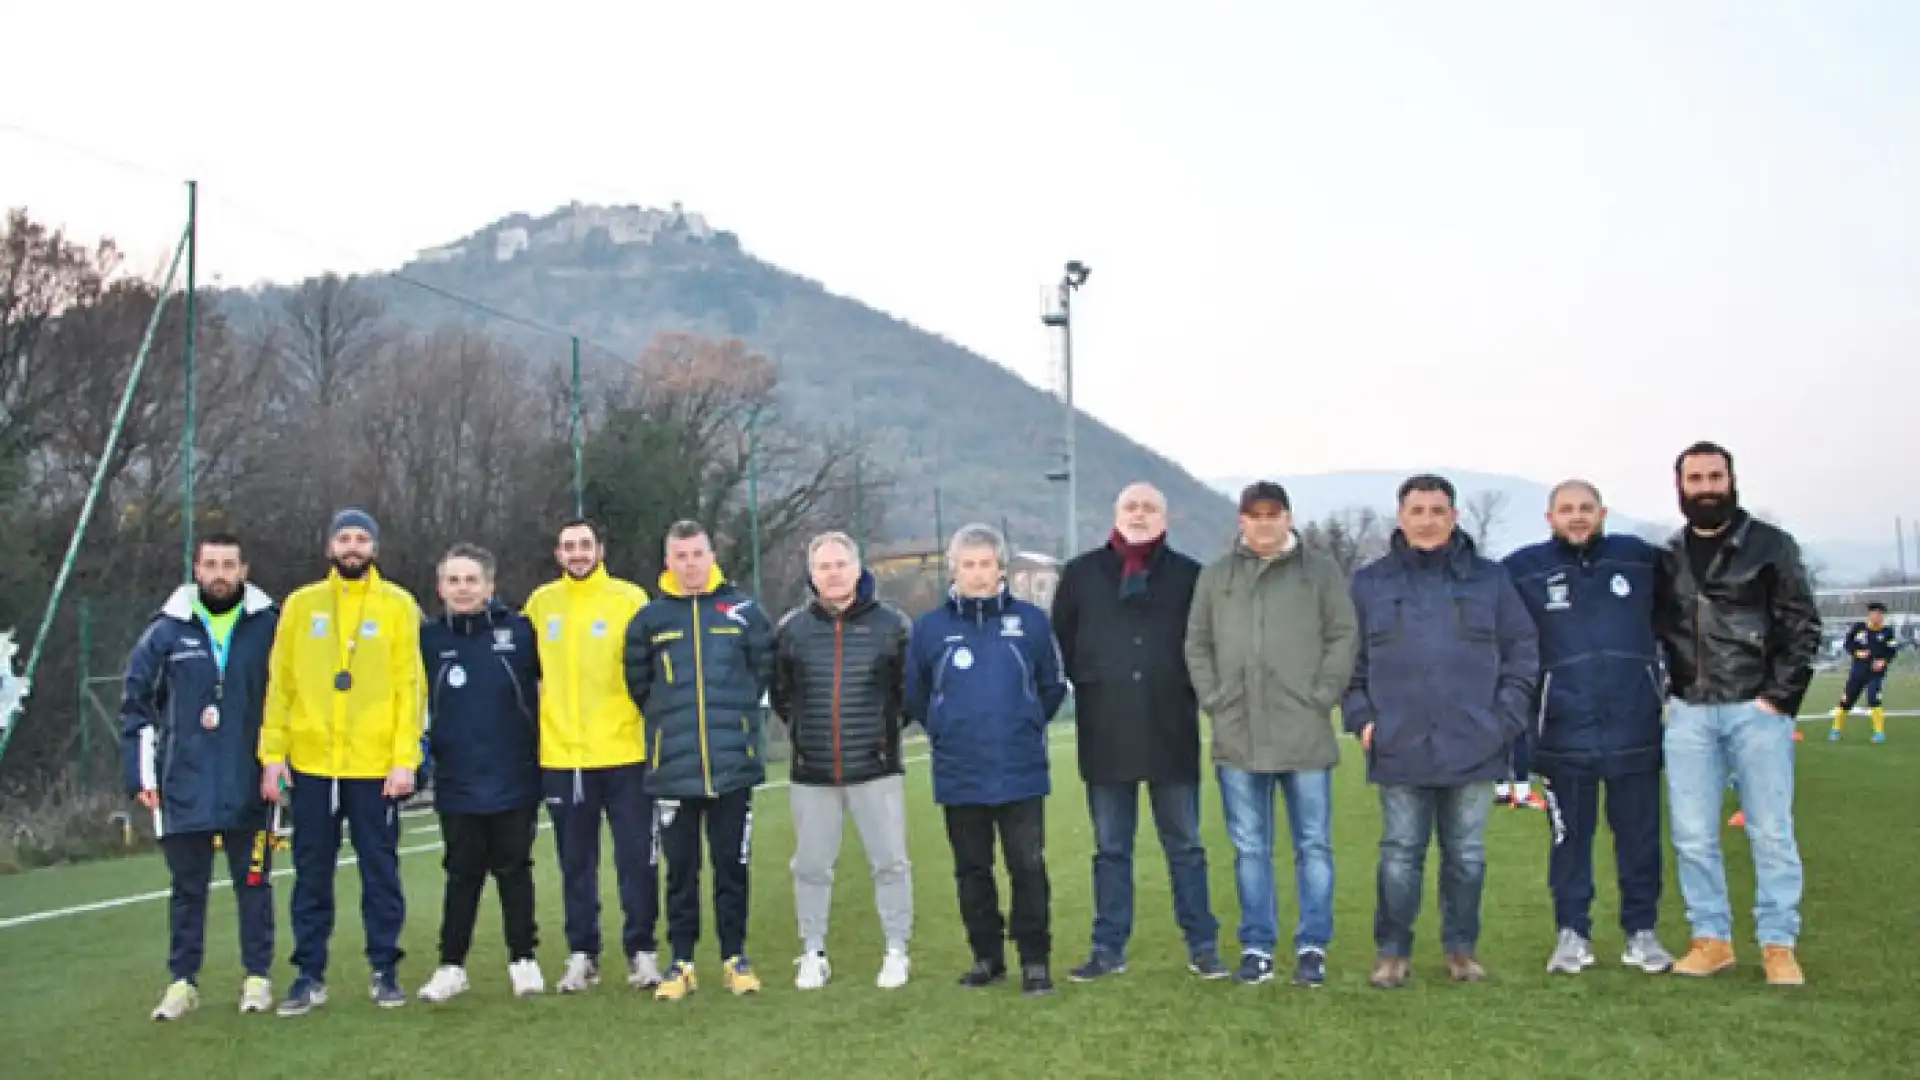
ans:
x=879 y=809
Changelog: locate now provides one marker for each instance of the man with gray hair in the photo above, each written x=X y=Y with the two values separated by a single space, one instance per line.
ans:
x=1120 y=612
x=984 y=679
x=839 y=683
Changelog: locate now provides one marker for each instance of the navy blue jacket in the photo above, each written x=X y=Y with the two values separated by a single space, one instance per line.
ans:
x=483 y=710
x=983 y=679
x=1601 y=692
x=1446 y=669
x=698 y=666
x=1865 y=645
x=208 y=780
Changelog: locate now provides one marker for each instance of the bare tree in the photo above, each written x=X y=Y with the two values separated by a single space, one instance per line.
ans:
x=1483 y=513
x=1352 y=538
x=336 y=333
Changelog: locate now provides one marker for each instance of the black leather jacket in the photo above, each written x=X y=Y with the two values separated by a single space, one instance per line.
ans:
x=839 y=683
x=1750 y=630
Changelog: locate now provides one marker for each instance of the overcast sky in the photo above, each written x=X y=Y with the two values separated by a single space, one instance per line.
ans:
x=1530 y=238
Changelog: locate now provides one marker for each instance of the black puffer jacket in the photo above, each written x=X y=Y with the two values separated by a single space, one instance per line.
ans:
x=838 y=683
x=1750 y=630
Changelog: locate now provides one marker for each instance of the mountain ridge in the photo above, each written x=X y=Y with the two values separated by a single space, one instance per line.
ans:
x=942 y=417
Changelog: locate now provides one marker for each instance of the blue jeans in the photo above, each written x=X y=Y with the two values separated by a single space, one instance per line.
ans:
x=1249 y=806
x=1176 y=817
x=1409 y=818
x=1703 y=744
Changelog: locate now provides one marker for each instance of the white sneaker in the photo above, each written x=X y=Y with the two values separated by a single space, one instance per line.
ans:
x=448 y=981
x=180 y=999
x=814 y=971
x=526 y=978
x=256 y=995
x=581 y=973
x=643 y=970
x=1572 y=954
x=893 y=970
x=1645 y=952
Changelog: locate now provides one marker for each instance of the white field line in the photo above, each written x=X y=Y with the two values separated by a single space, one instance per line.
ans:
x=347 y=860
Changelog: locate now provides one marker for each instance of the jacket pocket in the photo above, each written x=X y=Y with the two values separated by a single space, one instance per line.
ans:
x=666 y=664
x=1546 y=695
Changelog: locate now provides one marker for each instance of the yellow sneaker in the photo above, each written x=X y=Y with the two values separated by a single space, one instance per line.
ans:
x=737 y=975
x=680 y=982
x=1781 y=966
x=1707 y=956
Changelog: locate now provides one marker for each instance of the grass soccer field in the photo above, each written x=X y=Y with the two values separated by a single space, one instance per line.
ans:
x=75 y=989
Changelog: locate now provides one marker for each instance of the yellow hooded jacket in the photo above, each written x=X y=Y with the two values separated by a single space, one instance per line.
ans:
x=369 y=629
x=587 y=718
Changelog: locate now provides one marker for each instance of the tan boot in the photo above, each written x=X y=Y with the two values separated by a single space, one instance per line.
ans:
x=1389 y=972
x=1706 y=956
x=1781 y=966
x=1462 y=967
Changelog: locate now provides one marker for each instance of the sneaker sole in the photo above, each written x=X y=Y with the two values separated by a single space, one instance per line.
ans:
x=1255 y=981
x=1074 y=976
x=1656 y=967
x=1210 y=976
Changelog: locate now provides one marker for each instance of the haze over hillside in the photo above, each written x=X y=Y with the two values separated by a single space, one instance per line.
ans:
x=941 y=417
x=1317 y=495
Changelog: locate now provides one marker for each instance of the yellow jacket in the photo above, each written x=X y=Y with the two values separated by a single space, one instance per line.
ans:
x=369 y=629
x=587 y=718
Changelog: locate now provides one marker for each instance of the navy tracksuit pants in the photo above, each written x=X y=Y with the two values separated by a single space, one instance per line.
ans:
x=320 y=806
x=576 y=801
x=190 y=863
x=1633 y=813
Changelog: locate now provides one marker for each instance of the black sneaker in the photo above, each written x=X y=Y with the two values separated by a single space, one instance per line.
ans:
x=1310 y=968
x=1035 y=980
x=1206 y=964
x=984 y=973
x=1254 y=968
x=1098 y=965
x=386 y=990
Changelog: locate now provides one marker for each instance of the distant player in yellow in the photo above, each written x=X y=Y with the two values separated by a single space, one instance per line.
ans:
x=1871 y=645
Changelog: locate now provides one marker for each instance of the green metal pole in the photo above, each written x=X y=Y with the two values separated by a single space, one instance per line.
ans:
x=85 y=677
x=579 y=472
x=192 y=388
x=753 y=493
x=99 y=480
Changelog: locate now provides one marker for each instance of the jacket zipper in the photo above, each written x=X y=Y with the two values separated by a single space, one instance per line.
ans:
x=838 y=655
x=1546 y=687
x=700 y=699
x=667 y=662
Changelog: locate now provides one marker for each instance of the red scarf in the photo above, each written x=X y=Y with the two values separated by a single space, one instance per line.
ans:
x=1134 y=557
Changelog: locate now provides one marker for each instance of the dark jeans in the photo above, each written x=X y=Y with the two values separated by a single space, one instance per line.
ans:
x=1410 y=816
x=1176 y=817
x=1022 y=827
x=1633 y=813
x=320 y=805
x=479 y=845
x=576 y=801
x=728 y=820
x=190 y=863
